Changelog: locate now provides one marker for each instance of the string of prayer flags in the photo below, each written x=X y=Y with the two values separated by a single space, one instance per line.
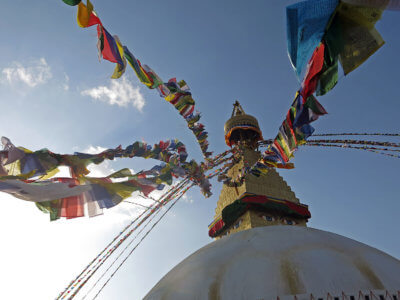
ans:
x=371 y=134
x=324 y=32
x=176 y=93
x=101 y=193
x=19 y=161
x=229 y=181
x=110 y=48
x=382 y=151
x=353 y=147
x=295 y=129
x=60 y=196
x=20 y=169
x=271 y=154
x=258 y=169
x=40 y=191
x=26 y=175
x=357 y=142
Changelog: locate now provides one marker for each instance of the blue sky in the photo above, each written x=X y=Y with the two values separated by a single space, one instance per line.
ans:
x=225 y=50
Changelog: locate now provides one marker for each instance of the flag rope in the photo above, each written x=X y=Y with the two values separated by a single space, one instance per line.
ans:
x=81 y=276
x=365 y=134
x=141 y=240
x=370 y=149
x=120 y=254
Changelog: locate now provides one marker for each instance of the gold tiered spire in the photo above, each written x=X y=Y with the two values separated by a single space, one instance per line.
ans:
x=258 y=201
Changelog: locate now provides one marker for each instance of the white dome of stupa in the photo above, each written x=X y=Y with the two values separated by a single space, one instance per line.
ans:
x=289 y=262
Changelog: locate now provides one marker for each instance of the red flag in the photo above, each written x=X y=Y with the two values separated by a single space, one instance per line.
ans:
x=93 y=20
x=107 y=46
x=313 y=71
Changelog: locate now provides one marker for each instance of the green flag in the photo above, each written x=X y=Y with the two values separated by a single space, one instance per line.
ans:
x=72 y=2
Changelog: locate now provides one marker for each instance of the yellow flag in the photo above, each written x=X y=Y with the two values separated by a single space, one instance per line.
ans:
x=84 y=12
x=50 y=174
x=359 y=37
x=119 y=69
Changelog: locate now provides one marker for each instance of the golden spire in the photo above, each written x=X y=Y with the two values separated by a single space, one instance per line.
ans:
x=237 y=109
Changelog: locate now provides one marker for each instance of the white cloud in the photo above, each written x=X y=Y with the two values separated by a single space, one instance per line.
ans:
x=187 y=199
x=102 y=170
x=94 y=149
x=36 y=73
x=120 y=92
x=66 y=82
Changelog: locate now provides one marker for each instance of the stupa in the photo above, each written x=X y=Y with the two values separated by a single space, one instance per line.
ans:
x=263 y=248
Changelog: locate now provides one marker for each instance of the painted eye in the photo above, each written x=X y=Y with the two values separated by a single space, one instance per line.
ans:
x=268 y=218
x=289 y=222
x=237 y=224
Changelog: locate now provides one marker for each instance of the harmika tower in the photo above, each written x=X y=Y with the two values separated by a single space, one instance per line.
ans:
x=257 y=201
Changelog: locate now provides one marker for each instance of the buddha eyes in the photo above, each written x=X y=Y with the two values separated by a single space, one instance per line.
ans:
x=237 y=224
x=289 y=222
x=268 y=218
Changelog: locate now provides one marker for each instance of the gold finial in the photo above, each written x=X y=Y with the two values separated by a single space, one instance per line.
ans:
x=237 y=109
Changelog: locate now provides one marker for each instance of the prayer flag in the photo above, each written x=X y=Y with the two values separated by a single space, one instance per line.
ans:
x=303 y=132
x=157 y=81
x=276 y=147
x=119 y=69
x=314 y=68
x=86 y=17
x=309 y=112
x=360 y=38
x=289 y=134
x=135 y=64
x=306 y=24
x=333 y=42
x=108 y=47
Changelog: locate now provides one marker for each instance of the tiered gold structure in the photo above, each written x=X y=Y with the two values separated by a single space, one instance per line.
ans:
x=271 y=184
